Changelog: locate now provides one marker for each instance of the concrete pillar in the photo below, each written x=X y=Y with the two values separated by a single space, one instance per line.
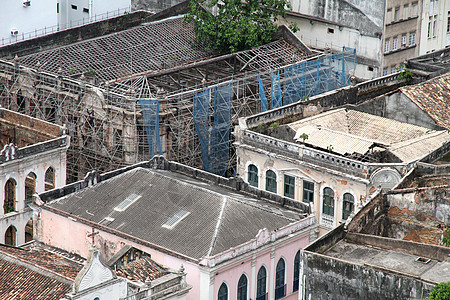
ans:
x=272 y=275
x=253 y=279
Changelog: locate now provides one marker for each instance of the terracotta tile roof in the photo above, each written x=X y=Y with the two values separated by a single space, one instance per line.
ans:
x=45 y=259
x=140 y=270
x=35 y=273
x=432 y=97
x=19 y=282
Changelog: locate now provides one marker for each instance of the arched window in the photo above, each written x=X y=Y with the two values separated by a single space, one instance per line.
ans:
x=10 y=236
x=242 y=288
x=253 y=175
x=271 y=181
x=280 y=287
x=347 y=205
x=29 y=231
x=328 y=201
x=296 y=271
x=10 y=196
x=49 y=179
x=30 y=187
x=223 y=292
x=261 y=284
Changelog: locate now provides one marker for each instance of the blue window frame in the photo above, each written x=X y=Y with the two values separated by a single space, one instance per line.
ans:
x=261 y=284
x=296 y=271
x=308 y=191
x=328 y=201
x=347 y=205
x=223 y=292
x=253 y=175
x=271 y=181
x=242 y=288
x=289 y=186
x=280 y=286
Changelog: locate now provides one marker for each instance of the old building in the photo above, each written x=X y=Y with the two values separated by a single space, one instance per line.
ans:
x=121 y=107
x=413 y=28
x=38 y=271
x=32 y=160
x=332 y=159
x=424 y=104
x=231 y=238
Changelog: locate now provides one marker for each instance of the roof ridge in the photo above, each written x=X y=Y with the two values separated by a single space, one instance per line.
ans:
x=216 y=230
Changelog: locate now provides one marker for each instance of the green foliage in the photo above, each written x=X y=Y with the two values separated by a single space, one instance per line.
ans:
x=446 y=239
x=294 y=27
x=260 y=127
x=304 y=99
x=238 y=25
x=330 y=148
x=304 y=136
x=440 y=291
x=90 y=72
x=405 y=74
x=274 y=125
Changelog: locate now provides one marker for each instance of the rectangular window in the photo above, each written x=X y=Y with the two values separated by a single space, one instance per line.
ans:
x=436 y=7
x=429 y=29
x=386 y=46
x=330 y=30
x=74 y=7
x=394 y=43
x=431 y=7
x=414 y=7
x=448 y=22
x=389 y=16
x=289 y=186
x=406 y=11
x=397 y=14
x=393 y=69
x=57 y=8
x=404 y=40
x=385 y=71
x=86 y=10
x=308 y=191
x=412 y=38
x=434 y=27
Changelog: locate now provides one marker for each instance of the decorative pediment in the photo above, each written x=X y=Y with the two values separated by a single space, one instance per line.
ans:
x=92 y=274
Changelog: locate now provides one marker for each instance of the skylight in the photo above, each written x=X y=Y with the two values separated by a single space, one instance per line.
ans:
x=127 y=202
x=173 y=221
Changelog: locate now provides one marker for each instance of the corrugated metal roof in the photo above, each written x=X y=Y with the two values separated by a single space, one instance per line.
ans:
x=165 y=193
x=433 y=97
x=363 y=125
x=336 y=141
x=414 y=149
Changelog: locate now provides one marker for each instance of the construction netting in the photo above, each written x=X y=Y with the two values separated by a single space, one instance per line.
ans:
x=309 y=78
x=215 y=143
x=150 y=113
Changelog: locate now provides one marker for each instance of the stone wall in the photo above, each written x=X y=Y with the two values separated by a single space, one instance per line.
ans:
x=330 y=278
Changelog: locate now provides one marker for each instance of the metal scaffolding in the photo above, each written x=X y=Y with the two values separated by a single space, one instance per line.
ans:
x=94 y=88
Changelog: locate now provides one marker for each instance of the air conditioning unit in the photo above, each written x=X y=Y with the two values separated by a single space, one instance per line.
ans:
x=26 y=3
x=14 y=31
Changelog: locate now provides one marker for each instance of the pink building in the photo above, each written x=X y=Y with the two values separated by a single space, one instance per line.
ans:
x=232 y=240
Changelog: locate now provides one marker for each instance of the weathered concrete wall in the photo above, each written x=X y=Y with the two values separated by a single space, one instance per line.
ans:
x=330 y=278
x=398 y=107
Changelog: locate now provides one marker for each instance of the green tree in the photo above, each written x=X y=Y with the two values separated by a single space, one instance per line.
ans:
x=440 y=291
x=238 y=25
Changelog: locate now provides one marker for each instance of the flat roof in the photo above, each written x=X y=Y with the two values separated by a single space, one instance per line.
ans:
x=390 y=260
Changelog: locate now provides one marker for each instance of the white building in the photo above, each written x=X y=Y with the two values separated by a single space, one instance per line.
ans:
x=25 y=19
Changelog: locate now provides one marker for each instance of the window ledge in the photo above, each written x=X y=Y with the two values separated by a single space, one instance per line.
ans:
x=400 y=49
x=401 y=21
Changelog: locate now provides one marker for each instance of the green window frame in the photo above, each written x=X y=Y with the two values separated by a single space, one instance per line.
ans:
x=347 y=205
x=271 y=181
x=308 y=191
x=328 y=201
x=289 y=186
x=252 y=175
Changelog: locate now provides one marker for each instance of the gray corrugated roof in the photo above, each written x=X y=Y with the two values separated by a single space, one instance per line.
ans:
x=166 y=193
x=382 y=130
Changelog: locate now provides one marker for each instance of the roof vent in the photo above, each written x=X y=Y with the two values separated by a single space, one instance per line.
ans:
x=173 y=221
x=423 y=260
x=127 y=202
x=106 y=221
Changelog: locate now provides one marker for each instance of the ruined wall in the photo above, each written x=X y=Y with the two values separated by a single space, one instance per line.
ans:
x=330 y=278
x=419 y=214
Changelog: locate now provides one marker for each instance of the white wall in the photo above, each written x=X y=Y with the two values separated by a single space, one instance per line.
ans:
x=40 y=14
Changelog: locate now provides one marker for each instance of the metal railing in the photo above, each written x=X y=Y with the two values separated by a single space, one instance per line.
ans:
x=52 y=29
